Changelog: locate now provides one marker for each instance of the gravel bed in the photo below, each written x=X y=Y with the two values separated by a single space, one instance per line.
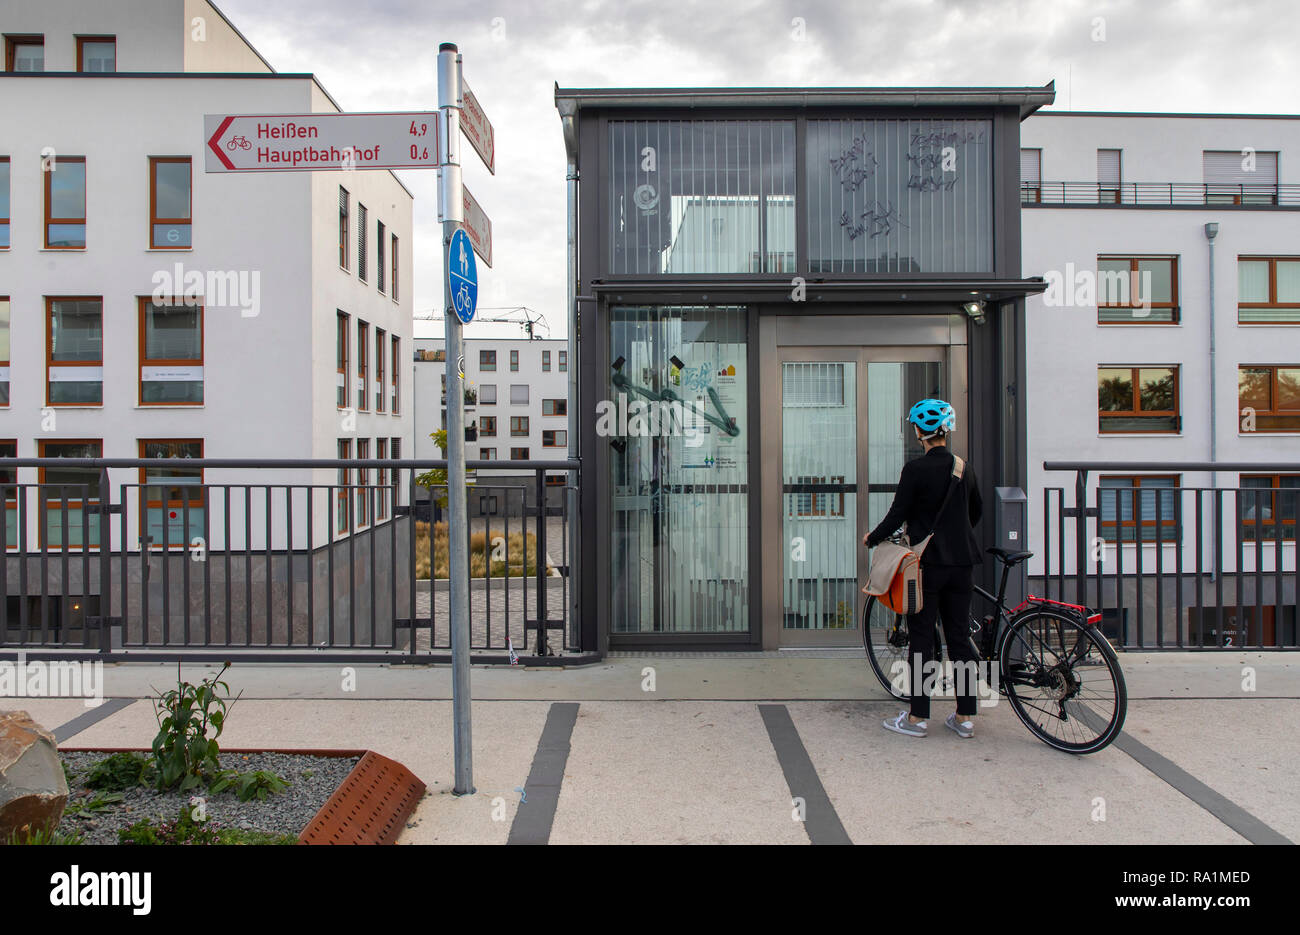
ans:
x=312 y=780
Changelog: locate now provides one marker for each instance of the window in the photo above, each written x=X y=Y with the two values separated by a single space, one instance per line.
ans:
x=71 y=492
x=809 y=501
x=74 y=339
x=394 y=253
x=555 y=438
x=343 y=500
x=4 y=202
x=1234 y=177
x=381 y=390
x=518 y=425
x=487 y=425
x=1108 y=176
x=716 y=192
x=361 y=241
x=886 y=196
x=1268 y=398
x=546 y=361
x=363 y=485
x=487 y=454
x=555 y=407
x=519 y=394
x=381 y=268
x=1268 y=289
x=1031 y=176
x=4 y=350
x=65 y=202
x=1130 y=503
x=169 y=202
x=1137 y=290
x=172 y=498
x=487 y=361
x=1138 y=399
x=564 y=361
x=397 y=375
x=97 y=54
x=487 y=394
x=518 y=454
x=341 y=340
x=514 y=361
x=381 y=481
x=363 y=365
x=24 y=53
x=343 y=227
x=555 y=480
x=171 y=354
x=9 y=480
x=1266 y=516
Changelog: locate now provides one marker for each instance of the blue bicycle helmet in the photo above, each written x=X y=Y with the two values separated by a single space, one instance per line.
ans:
x=933 y=416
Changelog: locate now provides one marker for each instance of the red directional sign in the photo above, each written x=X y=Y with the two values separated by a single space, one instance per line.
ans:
x=478 y=226
x=478 y=130
x=305 y=142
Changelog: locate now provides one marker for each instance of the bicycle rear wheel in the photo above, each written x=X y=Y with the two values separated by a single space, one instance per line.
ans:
x=1063 y=681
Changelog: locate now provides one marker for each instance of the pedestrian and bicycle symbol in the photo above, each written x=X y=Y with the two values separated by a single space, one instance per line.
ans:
x=462 y=276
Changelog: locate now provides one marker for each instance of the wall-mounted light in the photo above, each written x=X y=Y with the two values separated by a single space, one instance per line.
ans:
x=975 y=310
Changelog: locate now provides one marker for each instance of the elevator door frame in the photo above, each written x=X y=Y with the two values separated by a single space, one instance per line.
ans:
x=876 y=339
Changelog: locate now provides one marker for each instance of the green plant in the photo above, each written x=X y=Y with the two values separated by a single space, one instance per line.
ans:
x=185 y=829
x=98 y=802
x=42 y=835
x=257 y=784
x=437 y=477
x=118 y=771
x=184 y=753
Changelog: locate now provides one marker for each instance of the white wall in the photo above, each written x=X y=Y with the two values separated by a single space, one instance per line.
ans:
x=1066 y=345
x=148 y=31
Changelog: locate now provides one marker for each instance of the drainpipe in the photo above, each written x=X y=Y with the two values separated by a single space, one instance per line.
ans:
x=1212 y=231
x=569 y=125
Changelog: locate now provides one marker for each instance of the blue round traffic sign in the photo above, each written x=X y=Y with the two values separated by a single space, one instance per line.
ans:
x=462 y=276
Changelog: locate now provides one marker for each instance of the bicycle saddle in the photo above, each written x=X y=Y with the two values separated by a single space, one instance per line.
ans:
x=1011 y=558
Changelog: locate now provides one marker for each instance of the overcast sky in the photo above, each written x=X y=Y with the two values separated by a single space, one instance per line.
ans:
x=1234 y=56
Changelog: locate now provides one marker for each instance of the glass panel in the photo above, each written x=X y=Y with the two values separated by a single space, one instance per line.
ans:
x=67 y=189
x=1115 y=390
x=899 y=196
x=1254 y=388
x=892 y=388
x=76 y=332
x=702 y=196
x=100 y=56
x=29 y=56
x=1155 y=280
x=1159 y=389
x=75 y=485
x=4 y=330
x=677 y=421
x=1288 y=279
x=1252 y=280
x=172 y=491
x=1288 y=388
x=819 y=454
x=4 y=188
x=67 y=235
x=1113 y=282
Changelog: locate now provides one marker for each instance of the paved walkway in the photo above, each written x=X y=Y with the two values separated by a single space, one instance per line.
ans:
x=730 y=749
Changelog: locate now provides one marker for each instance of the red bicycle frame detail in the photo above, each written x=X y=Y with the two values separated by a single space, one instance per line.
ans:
x=1093 y=619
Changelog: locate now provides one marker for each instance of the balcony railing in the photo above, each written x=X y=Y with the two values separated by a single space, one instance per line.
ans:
x=1160 y=194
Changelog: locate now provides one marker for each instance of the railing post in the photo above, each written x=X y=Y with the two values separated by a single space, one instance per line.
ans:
x=1080 y=534
x=543 y=612
x=105 y=563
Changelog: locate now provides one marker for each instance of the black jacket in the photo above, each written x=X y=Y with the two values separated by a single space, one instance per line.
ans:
x=921 y=487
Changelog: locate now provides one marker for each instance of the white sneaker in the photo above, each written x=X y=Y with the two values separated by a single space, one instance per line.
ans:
x=965 y=729
x=901 y=725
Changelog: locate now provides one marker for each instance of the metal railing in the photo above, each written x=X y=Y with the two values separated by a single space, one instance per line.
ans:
x=278 y=560
x=1172 y=566
x=1157 y=194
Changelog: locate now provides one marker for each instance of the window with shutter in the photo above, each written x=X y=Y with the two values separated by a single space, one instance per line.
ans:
x=1237 y=177
x=361 y=242
x=1108 y=175
x=1031 y=175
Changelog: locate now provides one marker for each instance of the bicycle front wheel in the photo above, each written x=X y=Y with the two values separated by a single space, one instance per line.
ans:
x=884 y=637
x=1063 y=681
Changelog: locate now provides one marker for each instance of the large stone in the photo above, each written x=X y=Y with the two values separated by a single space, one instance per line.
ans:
x=33 y=789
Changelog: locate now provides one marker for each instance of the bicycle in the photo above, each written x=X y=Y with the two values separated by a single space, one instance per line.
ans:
x=240 y=141
x=1045 y=651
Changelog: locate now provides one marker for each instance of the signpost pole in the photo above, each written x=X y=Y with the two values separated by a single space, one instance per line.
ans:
x=451 y=209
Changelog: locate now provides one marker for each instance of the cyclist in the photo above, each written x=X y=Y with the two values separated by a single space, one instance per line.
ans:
x=947 y=563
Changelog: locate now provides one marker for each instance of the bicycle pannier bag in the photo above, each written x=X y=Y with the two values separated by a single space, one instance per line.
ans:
x=895 y=574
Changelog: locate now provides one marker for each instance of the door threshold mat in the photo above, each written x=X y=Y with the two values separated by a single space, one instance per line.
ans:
x=370 y=806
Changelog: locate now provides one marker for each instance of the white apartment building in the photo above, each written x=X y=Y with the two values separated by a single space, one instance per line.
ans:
x=1123 y=200
x=516 y=404
x=148 y=308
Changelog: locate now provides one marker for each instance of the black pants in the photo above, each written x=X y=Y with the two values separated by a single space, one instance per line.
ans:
x=946 y=594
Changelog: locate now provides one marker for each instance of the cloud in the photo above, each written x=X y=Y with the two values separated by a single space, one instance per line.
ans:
x=1140 y=55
